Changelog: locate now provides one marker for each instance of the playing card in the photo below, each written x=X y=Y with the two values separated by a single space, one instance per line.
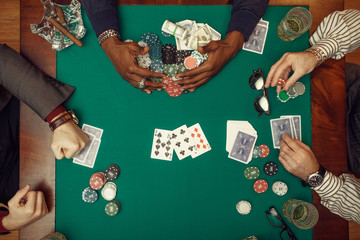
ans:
x=256 y=41
x=232 y=127
x=297 y=125
x=91 y=156
x=97 y=132
x=199 y=139
x=162 y=147
x=263 y=22
x=182 y=142
x=243 y=147
x=278 y=128
x=82 y=155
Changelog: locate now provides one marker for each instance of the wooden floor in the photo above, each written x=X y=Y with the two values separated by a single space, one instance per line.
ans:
x=10 y=34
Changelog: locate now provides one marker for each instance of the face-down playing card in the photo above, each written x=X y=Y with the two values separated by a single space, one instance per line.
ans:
x=243 y=147
x=279 y=127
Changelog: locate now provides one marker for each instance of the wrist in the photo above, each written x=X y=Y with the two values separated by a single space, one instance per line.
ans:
x=235 y=39
x=62 y=118
x=317 y=56
x=6 y=224
x=55 y=113
x=108 y=34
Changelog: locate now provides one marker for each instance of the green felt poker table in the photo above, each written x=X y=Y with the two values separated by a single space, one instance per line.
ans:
x=191 y=198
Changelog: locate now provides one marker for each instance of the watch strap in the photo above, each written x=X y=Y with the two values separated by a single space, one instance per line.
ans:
x=60 y=121
x=321 y=171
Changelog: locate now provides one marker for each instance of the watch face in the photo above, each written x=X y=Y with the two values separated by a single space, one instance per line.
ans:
x=315 y=180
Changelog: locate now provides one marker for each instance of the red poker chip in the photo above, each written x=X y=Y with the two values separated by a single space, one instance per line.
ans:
x=260 y=186
x=264 y=151
x=172 y=89
x=97 y=180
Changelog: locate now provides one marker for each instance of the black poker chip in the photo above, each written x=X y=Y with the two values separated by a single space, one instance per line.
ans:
x=270 y=168
x=180 y=55
x=168 y=53
x=112 y=172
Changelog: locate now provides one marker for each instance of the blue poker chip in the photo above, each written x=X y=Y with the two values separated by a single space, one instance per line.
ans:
x=89 y=195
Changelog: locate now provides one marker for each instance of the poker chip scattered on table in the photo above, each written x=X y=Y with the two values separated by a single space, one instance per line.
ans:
x=112 y=208
x=282 y=96
x=97 y=180
x=264 y=150
x=252 y=172
x=260 y=186
x=109 y=191
x=89 y=195
x=280 y=188
x=171 y=89
x=112 y=172
x=270 y=168
x=256 y=152
x=243 y=207
x=299 y=88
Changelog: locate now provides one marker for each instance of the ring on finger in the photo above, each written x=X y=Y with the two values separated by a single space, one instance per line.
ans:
x=141 y=83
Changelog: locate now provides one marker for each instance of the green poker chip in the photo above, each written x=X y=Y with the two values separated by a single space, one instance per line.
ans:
x=252 y=172
x=112 y=208
x=256 y=152
x=283 y=96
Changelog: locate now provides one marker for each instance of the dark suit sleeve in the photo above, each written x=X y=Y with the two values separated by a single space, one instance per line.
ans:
x=245 y=14
x=102 y=14
x=30 y=85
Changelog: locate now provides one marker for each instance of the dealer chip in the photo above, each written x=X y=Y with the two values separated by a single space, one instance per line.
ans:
x=256 y=152
x=112 y=208
x=280 y=188
x=112 y=172
x=251 y=172
x=243 y=207
x=264 y=150
x=270 y=168
x=260 y=186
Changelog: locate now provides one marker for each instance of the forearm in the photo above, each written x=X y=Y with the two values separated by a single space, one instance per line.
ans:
x=338 y=34
x=245 y=14
x=102 y=14
x=341 y=195
x=30 y=85
x=2 y=228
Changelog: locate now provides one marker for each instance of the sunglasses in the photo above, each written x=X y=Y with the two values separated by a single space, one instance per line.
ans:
x=261 y=103
x=276 y=221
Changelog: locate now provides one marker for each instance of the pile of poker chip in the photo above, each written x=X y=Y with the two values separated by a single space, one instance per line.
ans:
x=168 y=60
x=103 y=181
x=297 y=89
x=261 y=185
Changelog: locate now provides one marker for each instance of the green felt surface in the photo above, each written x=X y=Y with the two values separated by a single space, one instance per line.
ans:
x=188 y=199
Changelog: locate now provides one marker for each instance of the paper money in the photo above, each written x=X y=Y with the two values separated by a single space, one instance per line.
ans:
x=173 y=29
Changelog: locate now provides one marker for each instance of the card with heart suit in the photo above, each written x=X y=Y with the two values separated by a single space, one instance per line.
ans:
x=162 y=147
x=182 y=142
x=200 y=140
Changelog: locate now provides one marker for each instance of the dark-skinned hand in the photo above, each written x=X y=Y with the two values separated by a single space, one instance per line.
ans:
x=219 y=54
x=123 y=57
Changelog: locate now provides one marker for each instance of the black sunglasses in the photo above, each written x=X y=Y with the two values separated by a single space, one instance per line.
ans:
x=276 y=221
x=261 y=103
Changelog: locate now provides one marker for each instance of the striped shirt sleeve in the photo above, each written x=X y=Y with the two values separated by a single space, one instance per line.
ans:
x=341 y=195
x=338 y=34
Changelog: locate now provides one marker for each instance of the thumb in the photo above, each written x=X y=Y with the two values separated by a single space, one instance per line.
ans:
x=211 y=46
x=143 y=50
x=21 y=194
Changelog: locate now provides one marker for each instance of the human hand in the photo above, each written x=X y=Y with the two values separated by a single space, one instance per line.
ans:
x=68 y=140
x=25 y=207
x=297 y=158
x=123 y=57
x=219 y=54
x=300 y=63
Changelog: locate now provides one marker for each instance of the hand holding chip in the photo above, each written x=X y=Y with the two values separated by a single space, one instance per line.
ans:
x=219 y=54
x=297 y=157
x=300 y=63
x=123 y=55
x=25 y=208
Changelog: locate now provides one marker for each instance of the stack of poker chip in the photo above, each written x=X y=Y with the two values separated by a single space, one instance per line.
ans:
x=112 y=208
x=109 y=191
x=243 y=207
x=194 y=60
x=180 y=56
x=89 y=195
x=112 y=172
x=168 y=53
x=143 y=61
x=294 y=91
x=97 y=180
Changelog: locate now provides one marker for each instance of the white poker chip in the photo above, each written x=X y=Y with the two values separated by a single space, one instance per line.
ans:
x=243 y=207
x=109 y=191
x=279 y=188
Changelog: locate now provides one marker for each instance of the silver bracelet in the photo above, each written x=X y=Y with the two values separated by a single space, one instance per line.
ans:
x=108 y=34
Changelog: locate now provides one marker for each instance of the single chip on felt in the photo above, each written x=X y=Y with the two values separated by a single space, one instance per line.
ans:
x=260 y=186
x=270 y=168
x=264 y=150
x=171 y=89
x=252 y=172
x=243 y=207
x=279 y=188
